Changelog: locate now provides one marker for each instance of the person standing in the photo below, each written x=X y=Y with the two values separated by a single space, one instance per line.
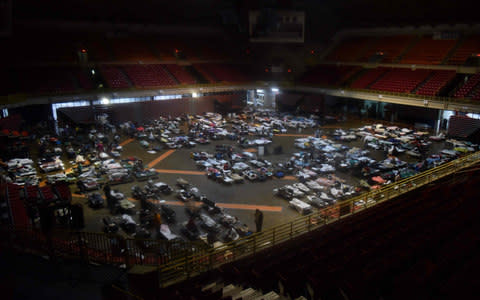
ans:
x=107 y=190
x=258 y=220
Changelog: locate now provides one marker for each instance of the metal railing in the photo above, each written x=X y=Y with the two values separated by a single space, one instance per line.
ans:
x=97 y=247
x=179 y=260
x=445 y=100
x=185 y=267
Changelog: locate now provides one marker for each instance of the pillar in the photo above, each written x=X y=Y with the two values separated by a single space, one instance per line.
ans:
x=438 y=121
x=269 y=99
x=251 y=97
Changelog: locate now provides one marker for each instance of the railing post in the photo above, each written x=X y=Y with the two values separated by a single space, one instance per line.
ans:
x=82 y=249
x=187 y=265
x=210 y=259
x=273 y=236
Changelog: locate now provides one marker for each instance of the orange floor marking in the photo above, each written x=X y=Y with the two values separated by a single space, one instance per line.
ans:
x=79 y=195
x=126 y=142
x=183 y=172
x=160 y=158
x=228 y=205
x=288 y=178
x=251 y=150
x=222 y=205
x=250 y=207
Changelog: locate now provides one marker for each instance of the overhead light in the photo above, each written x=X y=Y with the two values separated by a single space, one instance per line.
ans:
x=105 y=101
x=93 y=72
x=195 y=95
x=259 y=91
x=275 y=90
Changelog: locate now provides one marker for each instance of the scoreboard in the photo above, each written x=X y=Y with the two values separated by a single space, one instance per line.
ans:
x=270 y=25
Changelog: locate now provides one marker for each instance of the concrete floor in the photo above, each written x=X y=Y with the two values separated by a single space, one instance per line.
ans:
x=250 y=193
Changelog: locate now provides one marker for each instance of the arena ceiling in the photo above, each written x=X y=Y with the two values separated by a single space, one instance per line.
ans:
x=322 y=15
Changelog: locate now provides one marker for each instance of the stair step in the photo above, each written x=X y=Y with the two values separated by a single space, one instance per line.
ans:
x=269 y=296
x=209 y=286
x=230 y=290
x=244 y=294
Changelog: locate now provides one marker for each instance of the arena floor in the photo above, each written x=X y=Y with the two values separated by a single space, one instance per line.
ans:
x=238 y=200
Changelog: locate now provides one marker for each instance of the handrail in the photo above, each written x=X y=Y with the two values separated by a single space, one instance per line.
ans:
x=179 y=260
x=185 y=267
x=447 y=100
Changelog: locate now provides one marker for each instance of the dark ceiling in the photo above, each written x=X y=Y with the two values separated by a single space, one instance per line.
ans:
x=323 y=16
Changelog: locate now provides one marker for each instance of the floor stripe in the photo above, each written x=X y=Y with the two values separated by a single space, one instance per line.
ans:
x=186 y=172
x=160 y=158
x=222 y=205
x=126 y=142
x=182 y=172
x=228 y=205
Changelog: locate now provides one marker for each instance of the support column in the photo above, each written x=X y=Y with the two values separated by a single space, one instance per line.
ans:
x=438 y=122
x=251 y=97
x=269 y=99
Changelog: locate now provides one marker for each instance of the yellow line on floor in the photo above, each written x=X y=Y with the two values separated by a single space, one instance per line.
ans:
x=160 y=158
x=126 y=142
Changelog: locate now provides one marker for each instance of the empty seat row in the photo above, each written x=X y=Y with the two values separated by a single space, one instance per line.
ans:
x=400 y=80
x=222 y=72
x=469 y=85
x=428 y=51
x=328 y=75
x=436 y=82
x=469 y=47
x=145 y=76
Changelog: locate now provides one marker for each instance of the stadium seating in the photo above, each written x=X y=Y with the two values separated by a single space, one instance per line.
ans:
x=465 y=89
x=133 y=50
x=400 y=80
x=180 y=74
x=368 y=78
x=98 y=50
x=396 y=242
x=470 y=46
x=436 y=82
x=114 y=77
x=145 y=76
x=418 y=241
x=221 y=72
x=389 y=47
x=328 y=75
x=428 y=51
x=83 y=81
x=349 y=50
x=46 y=80
x=462 y=126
